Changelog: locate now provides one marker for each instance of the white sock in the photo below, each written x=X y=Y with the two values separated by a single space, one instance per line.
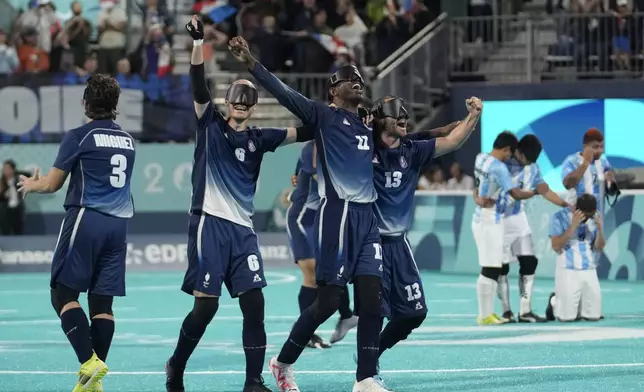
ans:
x=503 y=291
x=526 y=282
x=485 y=289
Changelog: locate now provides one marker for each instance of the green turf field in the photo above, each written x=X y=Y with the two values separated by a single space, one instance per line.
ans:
x=448 y=353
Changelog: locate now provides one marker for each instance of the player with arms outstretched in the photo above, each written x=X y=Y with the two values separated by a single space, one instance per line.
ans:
x=398 y=162
x=492 y=179
x=90 y=252
x=518 y=235
x=348 y=243
x=222 y=246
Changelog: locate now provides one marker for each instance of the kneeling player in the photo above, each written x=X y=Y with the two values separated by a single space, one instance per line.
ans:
x=398 y=162
x=518 y=235
x=577 y=238
x=91 y=248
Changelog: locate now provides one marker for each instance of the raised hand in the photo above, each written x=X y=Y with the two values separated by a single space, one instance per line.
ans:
x=195 y=29
x=474 y=105
x=25 y=184
x=239 y=48
x=577 y=218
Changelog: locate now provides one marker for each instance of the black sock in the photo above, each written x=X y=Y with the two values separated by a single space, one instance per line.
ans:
x=300 y=335
x=368 y=345
x=388 y=337
x=254 y=341
x=76 y=327
x=345 y=305
x=189 y=337
x=102 y=331
x=306 y=297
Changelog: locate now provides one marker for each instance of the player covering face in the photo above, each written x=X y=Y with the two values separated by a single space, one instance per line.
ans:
x=98 y=158
x=398 y=162
x=347 y=239
x=222 y=246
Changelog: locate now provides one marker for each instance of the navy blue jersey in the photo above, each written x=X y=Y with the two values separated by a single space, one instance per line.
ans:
x=304 y=175
x=99 y=158
x=396 y=172
x=226 y=166
x=344 y=144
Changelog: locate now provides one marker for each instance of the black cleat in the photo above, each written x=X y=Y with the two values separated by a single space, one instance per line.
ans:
x=531 y=318
x=173 y=377
x=550 y=312
x=256 y=386
x=508 y=317
x=317 y=342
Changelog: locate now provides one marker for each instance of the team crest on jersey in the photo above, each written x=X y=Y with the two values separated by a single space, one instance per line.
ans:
x=403 y=162
x=251 y=146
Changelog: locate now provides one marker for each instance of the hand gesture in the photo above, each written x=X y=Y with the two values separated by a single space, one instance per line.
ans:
x=294 y=180
x=588 y=154
x=474 y=105
x=26 y=184
x=577 y=218
x=239 y=48
x=195 y=29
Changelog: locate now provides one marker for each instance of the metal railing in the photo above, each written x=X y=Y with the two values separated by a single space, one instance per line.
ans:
x=562 y=46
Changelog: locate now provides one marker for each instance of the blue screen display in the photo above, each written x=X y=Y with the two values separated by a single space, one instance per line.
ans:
x=560 y=124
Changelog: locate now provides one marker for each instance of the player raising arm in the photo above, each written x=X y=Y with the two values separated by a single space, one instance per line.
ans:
x=398 y=162
x=222 y=246
x=492 y=180
x=348 y=243
x=577 y=237
x=90 y=252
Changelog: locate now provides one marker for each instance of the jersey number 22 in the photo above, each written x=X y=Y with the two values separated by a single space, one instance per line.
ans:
x=119 y=165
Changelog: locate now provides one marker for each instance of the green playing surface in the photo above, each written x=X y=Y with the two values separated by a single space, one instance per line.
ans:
x=448 y=353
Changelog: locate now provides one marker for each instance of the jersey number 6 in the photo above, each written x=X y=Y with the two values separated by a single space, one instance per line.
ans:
x=119 y=165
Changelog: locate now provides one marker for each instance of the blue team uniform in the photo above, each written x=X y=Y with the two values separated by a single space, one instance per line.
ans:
x=222 y=246
x=304 y=204
x=345 y=228
x=92 y=243
x=396 y=172
x=526 y=177
x=593 y=180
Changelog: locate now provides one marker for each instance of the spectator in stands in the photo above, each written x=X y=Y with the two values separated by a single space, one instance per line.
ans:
x=342 y=57
x=459 y=181
x=437 y=181
x=111 y=36
x=591 y=34
x=8 y=57
x=157 y=15
x=41 y=19
x=337 y=13
x=269 y=44
x=33 y=59
x=418 y=16
x=376 y=10
x=352 y=33
x=125 y=77
x=304 y=20
x=90 y=65
x=623 y=28
x=158 y=54
x=77 y=33
x=12 y=208
x=392 y=31
x=319 y=23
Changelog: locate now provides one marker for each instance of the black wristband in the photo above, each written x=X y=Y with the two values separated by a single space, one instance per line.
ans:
x=304 y=134
x=200 y=91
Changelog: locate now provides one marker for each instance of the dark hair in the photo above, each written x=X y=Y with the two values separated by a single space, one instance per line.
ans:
x=530 y=147
x=587 y=203
x=593 y=135
x=11 y=163
x=506 y=139
x=101 y=97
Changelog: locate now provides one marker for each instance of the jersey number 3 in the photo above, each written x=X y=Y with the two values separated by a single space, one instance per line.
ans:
x=392 y=179
x=119 y=165
x=363 y=142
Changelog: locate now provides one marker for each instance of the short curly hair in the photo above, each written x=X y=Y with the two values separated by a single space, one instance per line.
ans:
x=101 y=97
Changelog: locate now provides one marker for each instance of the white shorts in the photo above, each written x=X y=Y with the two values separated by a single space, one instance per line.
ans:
x=488 y=235
x=517 y=237
x=577 y=293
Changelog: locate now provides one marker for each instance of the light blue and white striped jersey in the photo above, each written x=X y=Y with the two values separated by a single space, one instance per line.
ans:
x=578 y=254
x=492 y=178
x=593 y=180
x=524 y=177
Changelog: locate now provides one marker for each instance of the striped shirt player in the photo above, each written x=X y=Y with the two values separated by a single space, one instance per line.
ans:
x=577 y=240
x=346 y=230
x=588 y=171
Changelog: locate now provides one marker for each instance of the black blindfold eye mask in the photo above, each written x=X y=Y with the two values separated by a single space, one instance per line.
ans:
x=346 y=74
x=241 y=94
x=393 y=107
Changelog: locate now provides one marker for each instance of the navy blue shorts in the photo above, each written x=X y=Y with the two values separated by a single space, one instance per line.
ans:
x=220 y=251
x=299 y=226
x=402 y=290
x=90 y=253
x=348 y=242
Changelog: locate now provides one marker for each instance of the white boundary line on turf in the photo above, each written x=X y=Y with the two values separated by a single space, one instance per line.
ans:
x=400 y=371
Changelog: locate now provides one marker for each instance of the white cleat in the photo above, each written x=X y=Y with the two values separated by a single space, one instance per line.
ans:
x=284 y=377
x=371 y=384
x=342 y=328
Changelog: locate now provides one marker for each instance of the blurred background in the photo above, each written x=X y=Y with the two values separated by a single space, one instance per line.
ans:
x=554 y=68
